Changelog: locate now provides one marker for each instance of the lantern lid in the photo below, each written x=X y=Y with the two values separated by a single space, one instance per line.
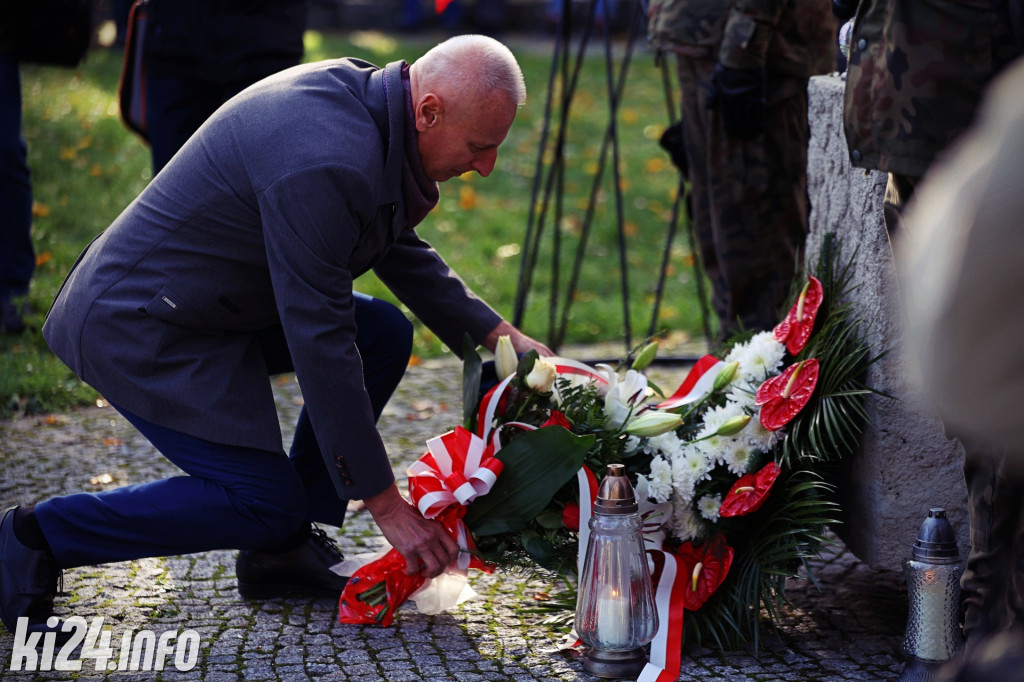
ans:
x=936 y=541
x=615 y=495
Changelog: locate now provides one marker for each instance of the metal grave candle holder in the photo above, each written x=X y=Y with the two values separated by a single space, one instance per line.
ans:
x=615 y=613
x=933 y=572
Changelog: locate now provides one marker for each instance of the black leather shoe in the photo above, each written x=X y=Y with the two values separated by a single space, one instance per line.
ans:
x=305 y=570
x=28 y=583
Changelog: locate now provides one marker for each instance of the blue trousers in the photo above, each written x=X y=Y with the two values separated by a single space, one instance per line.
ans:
x=17 y=257
x=232 y=497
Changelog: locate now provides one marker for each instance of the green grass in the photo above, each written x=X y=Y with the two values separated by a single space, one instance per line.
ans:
x=86 y=168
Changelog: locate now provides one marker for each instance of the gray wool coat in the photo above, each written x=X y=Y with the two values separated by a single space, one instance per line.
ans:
x=262 y=221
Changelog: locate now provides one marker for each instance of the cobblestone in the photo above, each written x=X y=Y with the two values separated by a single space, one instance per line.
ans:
x=847 y=628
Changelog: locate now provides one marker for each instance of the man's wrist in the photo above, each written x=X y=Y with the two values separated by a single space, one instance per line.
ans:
x=490 y=341
x=384 y=502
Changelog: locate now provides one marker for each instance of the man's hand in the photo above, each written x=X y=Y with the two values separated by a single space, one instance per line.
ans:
x=425 y=544
x=520 y=341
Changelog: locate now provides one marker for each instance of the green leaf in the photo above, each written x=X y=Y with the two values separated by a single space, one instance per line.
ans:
x=537 y=464
x=525 y=364
x=550 y=518
x=471 y=371
x=536 y=546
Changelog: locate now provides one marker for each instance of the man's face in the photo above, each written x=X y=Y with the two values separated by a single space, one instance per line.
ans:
x=463 y=136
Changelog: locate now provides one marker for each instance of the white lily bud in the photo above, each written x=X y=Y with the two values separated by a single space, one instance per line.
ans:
x=646 y=356
x=505 y=359
x=733 y=425
x=653 y=423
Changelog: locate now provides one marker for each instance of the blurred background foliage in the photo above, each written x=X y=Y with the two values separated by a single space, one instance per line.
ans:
x=87 y=167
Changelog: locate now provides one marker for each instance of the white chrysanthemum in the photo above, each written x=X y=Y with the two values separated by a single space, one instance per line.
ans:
x=667 y=445
x=718 y=415
x=760 y=438
x=742 y=394
x=688 y=469
x=686 y=526
x=683 y=480
x=738 y=455
x=759 y=358
x=659 y=485
x=709 y=506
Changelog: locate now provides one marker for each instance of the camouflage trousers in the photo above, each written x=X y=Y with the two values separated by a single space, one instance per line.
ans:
x=748 y=197
x=992 y=587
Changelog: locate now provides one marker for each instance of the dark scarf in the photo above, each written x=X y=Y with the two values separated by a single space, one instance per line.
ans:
x=419 y=191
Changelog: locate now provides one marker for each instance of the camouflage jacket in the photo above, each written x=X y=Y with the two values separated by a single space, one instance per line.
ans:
x=915 y=77
x=786 y=37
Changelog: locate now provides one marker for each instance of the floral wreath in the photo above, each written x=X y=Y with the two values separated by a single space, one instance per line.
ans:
x=735 y=467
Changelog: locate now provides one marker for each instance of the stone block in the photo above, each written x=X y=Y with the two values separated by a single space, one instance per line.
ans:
x=905 y=464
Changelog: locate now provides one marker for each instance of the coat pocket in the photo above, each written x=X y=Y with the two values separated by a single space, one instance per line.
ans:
x=170 y=307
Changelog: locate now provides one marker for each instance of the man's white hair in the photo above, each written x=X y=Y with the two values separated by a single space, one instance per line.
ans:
x=475 y=65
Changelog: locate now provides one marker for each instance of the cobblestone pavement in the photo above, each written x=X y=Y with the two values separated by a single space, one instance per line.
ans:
x=847 y=628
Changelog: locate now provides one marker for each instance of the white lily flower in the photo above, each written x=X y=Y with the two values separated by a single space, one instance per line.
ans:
x=624 y=395
x=505 y=359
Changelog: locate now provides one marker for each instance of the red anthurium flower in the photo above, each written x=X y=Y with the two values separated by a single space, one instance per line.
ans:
x=796 y=328
x=571 y=516
x=749 y=492
x=783 y=396
x=556 y=418
x=706 y=567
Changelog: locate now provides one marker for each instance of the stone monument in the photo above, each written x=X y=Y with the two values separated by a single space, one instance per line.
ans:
x=905 y=464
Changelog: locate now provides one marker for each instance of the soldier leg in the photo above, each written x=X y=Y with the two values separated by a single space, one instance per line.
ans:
x=760 y=211
x=993 y=582
x=694 y=76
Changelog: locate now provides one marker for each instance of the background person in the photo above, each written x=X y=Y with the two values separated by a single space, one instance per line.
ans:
x=916 y=75
x=200 y=53
x=961 y=275
x=17 y=255
x=743 y=72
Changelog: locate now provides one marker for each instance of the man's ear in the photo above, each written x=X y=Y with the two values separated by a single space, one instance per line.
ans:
x=428 y=112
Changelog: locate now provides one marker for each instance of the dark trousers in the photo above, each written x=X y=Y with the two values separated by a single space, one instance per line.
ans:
x=993 y=582
x=749 y=199
x=17 y=257
x=230 y=497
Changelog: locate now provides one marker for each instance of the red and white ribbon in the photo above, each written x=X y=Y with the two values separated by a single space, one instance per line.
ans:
x=458 y=468
x=698 y=383
x=667 y=646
